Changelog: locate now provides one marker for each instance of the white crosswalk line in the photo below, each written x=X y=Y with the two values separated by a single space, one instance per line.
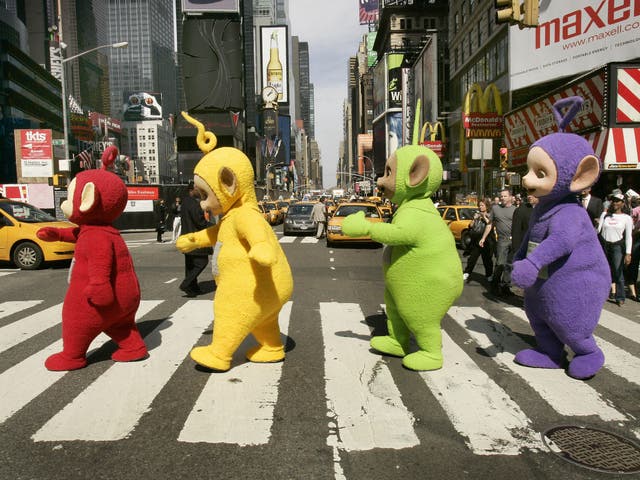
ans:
x=554 y=386
x=15 y=392
x=9 y=308
x=237 y=406
x=287 y=239
x=2 y=274
x=364 y=402
x=616 y=360
x=97 y=414
x=622 y=326
x=309 y=240
x=19 y=331
x=483 y=413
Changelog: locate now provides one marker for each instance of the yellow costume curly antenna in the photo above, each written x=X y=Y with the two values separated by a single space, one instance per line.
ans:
x=207 y=141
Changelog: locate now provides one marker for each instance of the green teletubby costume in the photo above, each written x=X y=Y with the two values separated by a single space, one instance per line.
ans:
x=423 y=273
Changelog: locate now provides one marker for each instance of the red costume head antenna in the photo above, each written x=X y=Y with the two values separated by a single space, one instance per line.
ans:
x=109 y=156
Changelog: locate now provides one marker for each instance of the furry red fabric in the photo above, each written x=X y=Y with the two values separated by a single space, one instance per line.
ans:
x=104 y=292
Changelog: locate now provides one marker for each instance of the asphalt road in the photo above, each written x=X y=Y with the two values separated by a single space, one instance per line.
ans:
x=332 y=410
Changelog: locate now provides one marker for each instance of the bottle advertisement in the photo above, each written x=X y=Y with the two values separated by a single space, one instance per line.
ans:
x=274 y=60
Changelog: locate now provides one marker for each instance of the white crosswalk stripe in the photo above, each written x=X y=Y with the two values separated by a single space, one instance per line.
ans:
x=299 y=239
x=364 y=397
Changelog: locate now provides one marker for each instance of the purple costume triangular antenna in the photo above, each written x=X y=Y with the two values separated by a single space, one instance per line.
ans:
x=574 y=104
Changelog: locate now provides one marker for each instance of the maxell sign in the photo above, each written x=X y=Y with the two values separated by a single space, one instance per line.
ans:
x=573 y=37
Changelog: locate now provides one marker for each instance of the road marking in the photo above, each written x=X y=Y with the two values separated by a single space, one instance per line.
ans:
x=19 y=331
x=554 y=386
x=364 y=403
x=237 y=406
x=620 y=325
x=287 y=239
x=490 y=422
x=171 y=281
x=2 y=274
x=310 y=240
x=15 y=392
x=616 y=360
x=98 y=415
x=9 y=308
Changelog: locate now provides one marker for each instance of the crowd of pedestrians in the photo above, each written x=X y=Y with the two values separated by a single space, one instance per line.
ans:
x=506 y=219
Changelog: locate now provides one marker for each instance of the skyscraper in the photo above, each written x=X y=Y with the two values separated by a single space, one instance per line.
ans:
x=148 y=64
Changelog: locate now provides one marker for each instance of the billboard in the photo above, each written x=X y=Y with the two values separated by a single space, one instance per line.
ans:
x=35 y=151
x=573 y=37
x=210 y=6
x=368 y=11
x=142 y=106
x=274 y=49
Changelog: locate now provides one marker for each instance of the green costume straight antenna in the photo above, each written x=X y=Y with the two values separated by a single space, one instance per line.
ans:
x=416 y=125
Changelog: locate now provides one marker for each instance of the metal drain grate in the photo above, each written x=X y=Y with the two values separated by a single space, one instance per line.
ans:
x=594 y=449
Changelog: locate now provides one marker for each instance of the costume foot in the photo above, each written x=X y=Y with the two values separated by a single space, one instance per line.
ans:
x=262 y=354
x=537 y=359
x=422 y=360
x=59 y=362
x=122 y=355
x=205 y=357
x=586 y=366
x=388 y=345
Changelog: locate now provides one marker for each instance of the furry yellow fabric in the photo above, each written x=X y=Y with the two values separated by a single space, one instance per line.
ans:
x=252 y=273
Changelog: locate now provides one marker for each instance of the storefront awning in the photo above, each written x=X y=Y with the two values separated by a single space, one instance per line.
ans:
x=622 y=149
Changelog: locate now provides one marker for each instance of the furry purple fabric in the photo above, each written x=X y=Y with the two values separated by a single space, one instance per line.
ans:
x=562 y=267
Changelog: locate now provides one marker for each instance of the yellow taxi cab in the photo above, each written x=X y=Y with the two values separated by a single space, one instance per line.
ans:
x=331 y=206
x=459 y=218
x=19 y=223
x=273 y=214
x=283 y=206
x=334 y=224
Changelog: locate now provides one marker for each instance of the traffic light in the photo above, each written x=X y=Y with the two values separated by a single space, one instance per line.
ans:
x=504 y=158
x=529 y=13
x=507 y=11
x=57 y=180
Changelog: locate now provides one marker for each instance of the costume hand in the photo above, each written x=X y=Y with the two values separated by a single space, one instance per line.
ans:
x=263 y=254
x=187 y=242
x=99 y=295
x=48 y=234
x=524 y=273
x=355 y=225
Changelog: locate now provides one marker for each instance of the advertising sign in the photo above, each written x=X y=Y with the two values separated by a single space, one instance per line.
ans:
x=142 y=106
x=368 y=11
x=142 y=193
x=36 y=153
x=274 y=48
x=573 y=37
x=211 y=6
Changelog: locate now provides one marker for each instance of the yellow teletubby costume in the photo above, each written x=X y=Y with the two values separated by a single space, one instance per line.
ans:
x=251 y=271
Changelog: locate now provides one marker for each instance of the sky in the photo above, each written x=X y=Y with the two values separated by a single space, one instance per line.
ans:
x=332 y=30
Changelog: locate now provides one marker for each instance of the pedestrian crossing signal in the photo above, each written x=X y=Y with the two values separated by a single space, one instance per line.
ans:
x=504 y=158
x=507 y=11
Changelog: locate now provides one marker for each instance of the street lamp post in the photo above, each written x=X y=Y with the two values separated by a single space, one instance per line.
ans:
x=65 y=120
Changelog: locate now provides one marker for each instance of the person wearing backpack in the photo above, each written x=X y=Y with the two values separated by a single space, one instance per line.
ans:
x=480 y=221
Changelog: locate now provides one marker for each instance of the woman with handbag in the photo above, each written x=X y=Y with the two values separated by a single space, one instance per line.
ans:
x=480 y=221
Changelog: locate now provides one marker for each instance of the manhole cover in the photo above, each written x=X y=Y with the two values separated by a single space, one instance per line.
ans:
x=594 y=449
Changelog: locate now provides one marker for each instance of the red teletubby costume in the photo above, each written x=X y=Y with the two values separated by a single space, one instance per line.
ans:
x=104 y=292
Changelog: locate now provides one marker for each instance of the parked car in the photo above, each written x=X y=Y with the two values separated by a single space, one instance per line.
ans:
x=459 y=218
x=19 y=243
x=298 y=219
x=334 y=224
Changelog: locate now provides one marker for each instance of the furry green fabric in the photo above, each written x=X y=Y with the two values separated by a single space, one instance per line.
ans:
x=423 y=273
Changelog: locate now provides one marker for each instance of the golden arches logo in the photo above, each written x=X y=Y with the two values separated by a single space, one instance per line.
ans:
x=477 y=100
x=433 y=131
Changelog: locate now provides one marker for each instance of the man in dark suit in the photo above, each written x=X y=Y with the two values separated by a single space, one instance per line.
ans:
x=592 y=204
x=192 y=220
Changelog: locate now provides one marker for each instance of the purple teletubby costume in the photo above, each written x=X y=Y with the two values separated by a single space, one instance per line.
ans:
x=560 y=264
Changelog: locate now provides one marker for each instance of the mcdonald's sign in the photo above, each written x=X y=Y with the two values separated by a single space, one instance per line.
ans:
x=438 y=146
x=480 y=118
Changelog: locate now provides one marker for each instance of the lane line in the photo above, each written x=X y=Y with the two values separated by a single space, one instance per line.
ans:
x=554 y=386
x=237 y=406
x=9 y=308
x=363 y=401
x=15 y=392
x=97 y=414
x=488 y=419
x=171 y=281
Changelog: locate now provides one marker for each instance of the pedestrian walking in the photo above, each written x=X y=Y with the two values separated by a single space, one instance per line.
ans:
x=615 y=227
x=593 y=205
x=501 y=222
x=192 y=220
x=319 y=216
x=481 y=219
x=177 y=222
x=161 y=219
x=632 y=269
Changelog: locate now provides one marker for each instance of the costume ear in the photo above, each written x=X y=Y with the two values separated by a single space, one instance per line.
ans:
x=88 y=197
x=228 y=180
x=586 y=174
x=419 y=170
